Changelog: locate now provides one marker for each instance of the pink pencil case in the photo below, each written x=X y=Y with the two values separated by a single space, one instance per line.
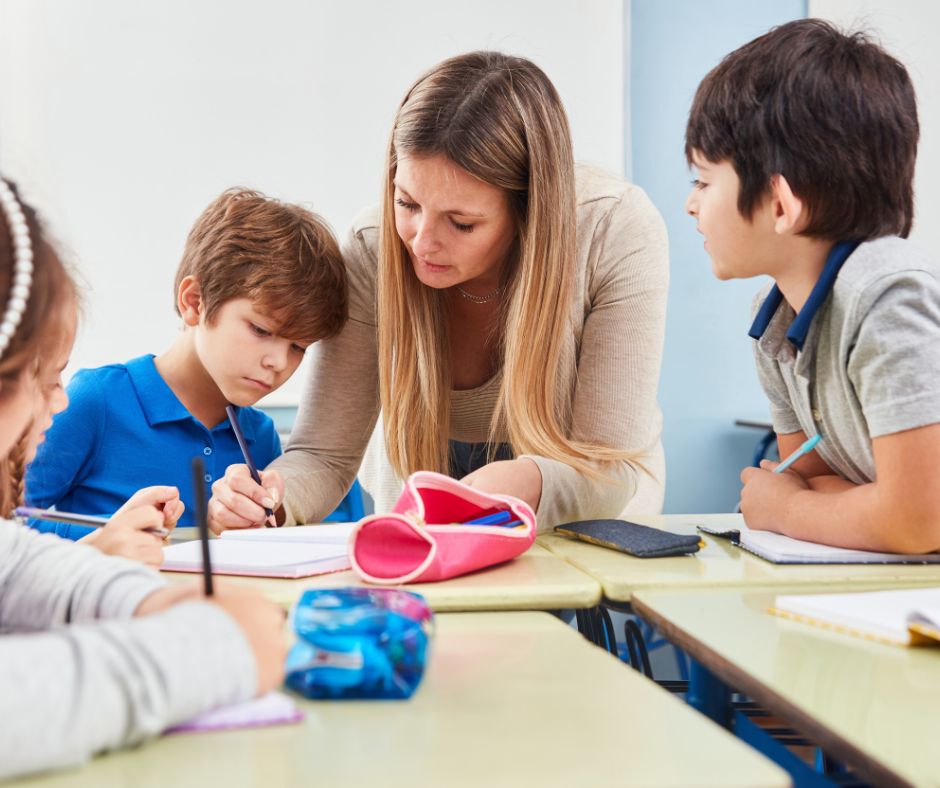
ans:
x=424 y=538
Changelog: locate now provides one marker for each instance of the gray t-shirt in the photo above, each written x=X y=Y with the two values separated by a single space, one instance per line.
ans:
x=870 y=365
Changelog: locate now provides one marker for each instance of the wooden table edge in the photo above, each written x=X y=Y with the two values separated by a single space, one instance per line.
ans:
x=739 y=679
x=772 y=584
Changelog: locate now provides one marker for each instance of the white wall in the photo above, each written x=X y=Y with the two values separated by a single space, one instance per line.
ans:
x=121 y=121
x=908 y=30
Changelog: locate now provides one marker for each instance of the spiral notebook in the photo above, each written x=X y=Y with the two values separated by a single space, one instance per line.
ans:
x=904 y=617
x=780 y=549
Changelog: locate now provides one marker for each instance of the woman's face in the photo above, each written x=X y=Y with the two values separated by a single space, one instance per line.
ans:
x=458 y=230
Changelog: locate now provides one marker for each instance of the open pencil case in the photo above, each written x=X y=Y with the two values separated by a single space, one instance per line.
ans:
x=425 y=537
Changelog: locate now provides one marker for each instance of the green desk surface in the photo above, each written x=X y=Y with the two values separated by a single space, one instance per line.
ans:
x=510 y=699
x=874 y=706
x=537 y=580
x=722 y=565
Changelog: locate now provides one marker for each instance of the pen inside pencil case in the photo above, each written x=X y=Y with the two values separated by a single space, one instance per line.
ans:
x=501 y=518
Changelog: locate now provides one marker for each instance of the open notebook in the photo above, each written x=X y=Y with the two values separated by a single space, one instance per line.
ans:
x=323 y=533
x=900 y=617
x=780 y=549
x=256 y=558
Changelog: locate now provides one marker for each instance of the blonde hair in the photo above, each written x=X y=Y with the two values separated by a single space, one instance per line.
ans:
x=499 y=118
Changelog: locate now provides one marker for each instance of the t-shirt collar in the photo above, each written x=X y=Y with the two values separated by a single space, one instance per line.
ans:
x=799 y=328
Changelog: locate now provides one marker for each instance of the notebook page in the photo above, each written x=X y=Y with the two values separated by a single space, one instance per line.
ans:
x=784 y=549
x=326 y=533
x=927 y=616
x=288 y=559
x=876 y=614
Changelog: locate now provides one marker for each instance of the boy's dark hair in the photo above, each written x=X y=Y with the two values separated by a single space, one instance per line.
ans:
x=833 y=113
x=281 y=256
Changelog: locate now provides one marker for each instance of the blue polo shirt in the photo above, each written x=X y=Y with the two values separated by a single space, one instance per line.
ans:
x=125 y=429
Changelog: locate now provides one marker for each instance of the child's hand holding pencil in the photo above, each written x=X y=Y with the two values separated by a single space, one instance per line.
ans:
x=130 y=535
x=134 y=531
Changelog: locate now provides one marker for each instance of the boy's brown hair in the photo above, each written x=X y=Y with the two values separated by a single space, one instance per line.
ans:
x=833 y=113
x=281 y=256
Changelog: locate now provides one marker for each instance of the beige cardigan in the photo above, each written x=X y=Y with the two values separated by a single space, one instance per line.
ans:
x=618 y=314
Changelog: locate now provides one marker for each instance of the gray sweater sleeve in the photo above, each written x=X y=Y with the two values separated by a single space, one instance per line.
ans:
x=73 y=691
x=46 y=581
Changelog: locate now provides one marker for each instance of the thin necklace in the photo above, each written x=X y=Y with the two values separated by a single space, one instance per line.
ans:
x=483 y=299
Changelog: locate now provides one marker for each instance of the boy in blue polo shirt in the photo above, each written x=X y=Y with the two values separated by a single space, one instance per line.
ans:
x=804 y=141
x=259 y=281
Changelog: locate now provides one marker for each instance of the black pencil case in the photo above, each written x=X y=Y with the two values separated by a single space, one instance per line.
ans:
x=631 y=538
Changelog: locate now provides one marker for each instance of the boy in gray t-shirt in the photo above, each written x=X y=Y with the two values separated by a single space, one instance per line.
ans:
x=805 y=141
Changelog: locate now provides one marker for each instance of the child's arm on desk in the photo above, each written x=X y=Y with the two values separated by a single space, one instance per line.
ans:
x=94 y=685
x=813 y=468
x=899 y=512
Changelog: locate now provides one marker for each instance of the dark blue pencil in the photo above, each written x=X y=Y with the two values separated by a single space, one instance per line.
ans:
x=503 y=519
x=243 y=445
x=497 y=518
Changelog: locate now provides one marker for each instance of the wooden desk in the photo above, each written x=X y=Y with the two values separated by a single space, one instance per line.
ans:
x=874 y=706
x=510 y=699
x=722 y=565
x=538 y=580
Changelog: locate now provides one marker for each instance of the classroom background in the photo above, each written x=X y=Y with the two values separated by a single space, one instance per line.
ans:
x=122 y=121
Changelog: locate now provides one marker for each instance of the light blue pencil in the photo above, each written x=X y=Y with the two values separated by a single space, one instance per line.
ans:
x=806 y=448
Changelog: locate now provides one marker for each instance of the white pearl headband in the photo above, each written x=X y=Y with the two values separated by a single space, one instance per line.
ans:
x=22 y=265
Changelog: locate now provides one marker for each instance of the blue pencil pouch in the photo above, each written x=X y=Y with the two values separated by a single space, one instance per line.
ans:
x=359 y=643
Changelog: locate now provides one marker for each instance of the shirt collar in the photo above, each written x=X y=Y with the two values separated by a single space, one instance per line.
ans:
x=799 y=328
x=161 y=406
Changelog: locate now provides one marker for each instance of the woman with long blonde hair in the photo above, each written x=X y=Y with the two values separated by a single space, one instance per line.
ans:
x=506 y=319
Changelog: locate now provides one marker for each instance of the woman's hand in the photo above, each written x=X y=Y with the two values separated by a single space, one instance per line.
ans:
x=239 y=502
x=164 y=498
x=520 y=478
x=126 y=535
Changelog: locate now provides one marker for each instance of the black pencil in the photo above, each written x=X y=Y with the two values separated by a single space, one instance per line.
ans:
x=243 y=445
x=202 y=520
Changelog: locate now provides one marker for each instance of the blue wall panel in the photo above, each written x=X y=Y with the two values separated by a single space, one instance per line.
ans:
x=708 y=377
